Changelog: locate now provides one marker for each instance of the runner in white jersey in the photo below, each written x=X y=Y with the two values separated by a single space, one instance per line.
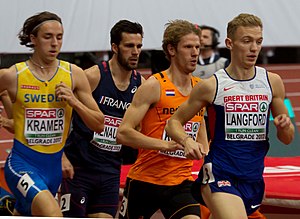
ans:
x=243 y=96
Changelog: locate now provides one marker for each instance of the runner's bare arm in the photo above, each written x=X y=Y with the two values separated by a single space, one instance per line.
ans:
x=201 y=95
x=67 y=167
x=84 y=103
x=146 y=96
x=202 y=138
x=93 y=76
x=8 y=81
x=282 y=121
x=7 y=123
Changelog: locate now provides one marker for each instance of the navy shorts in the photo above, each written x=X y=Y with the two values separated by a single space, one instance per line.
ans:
x=142 y=199
x=251 y=192
x=90 y=192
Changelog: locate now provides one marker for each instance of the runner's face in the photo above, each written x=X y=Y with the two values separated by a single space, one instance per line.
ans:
x=187 y=53
x=246 y=45
x=206 y=38
x=129 y=50
x=48 y=42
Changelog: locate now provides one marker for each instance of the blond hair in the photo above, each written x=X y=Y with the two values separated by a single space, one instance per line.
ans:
x=244 y=20
x=175 y=30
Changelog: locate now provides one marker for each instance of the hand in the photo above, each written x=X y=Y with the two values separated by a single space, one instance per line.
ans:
x=67 y=168
x=282 y=121
x=6 y=123
x=3 y=120
x=64 y=92
x=194 y=150
x=172 y=146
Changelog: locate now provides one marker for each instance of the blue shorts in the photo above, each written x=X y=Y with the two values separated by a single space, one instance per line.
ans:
x=90 y=192
x=251 y=192
x=29 y=172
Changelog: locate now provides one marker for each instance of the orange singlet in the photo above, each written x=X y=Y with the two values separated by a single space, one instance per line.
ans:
x=165 y=167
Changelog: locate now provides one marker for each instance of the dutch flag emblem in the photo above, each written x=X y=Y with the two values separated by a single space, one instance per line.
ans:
x=170 y=92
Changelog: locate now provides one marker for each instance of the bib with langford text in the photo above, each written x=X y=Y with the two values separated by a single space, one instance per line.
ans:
x=246 y=117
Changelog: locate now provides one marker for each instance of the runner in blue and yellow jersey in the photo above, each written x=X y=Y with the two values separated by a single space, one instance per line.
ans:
x=41 y=90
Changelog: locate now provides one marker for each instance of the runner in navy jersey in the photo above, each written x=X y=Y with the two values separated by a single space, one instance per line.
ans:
x=91 y=167
x=243 y=96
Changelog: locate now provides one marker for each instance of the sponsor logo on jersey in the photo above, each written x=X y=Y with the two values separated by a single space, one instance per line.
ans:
x=119 y=104
x=30 y=87
x=172 y=110
x=228 y=88
x=133 y=90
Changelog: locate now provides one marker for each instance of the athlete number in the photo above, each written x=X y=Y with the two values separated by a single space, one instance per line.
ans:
x=65 y=202
x=123 y=206
x=24 y=184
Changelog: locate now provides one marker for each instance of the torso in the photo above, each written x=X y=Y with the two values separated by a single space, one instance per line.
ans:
x=113 y=102
x=242 y=107
x=43 y=119
x=164 y=167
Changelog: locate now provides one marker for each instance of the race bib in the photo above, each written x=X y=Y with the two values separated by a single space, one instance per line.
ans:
x=44 y=126
x=106 y=140
x=246 y=118
x=191 y=128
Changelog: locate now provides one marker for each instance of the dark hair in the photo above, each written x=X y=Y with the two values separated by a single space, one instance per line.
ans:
x=32 y=25
x=124 y=26
x=214 y=33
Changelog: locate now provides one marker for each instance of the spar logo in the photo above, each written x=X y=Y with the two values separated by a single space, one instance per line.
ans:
x=196 y=126
x=191 y=126
x=44 y=113
x=263 y=107
x=112 y=121
x=241 y=107
x=60 y=113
